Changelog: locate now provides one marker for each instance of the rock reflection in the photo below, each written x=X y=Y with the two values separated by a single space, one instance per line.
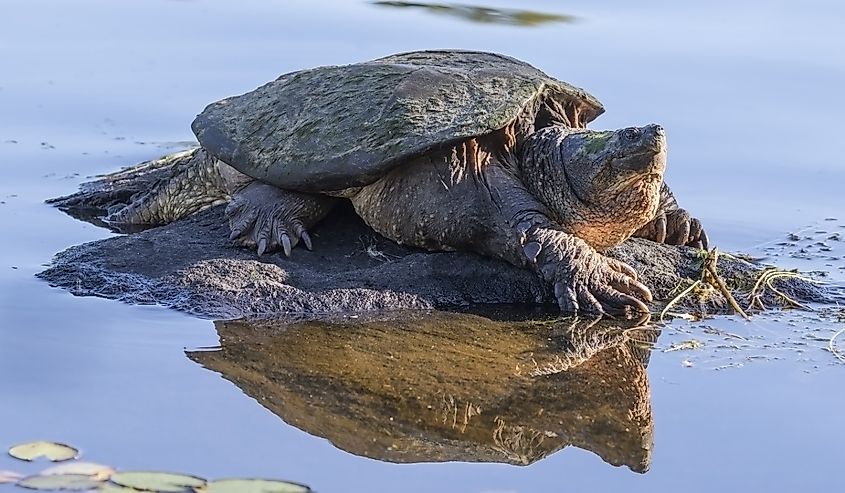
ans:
x=431 y=386
x=483 y=15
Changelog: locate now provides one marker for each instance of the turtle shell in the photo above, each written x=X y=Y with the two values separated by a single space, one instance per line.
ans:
x=335 y=127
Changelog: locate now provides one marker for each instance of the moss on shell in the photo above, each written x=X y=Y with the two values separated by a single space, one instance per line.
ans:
x=344 y=126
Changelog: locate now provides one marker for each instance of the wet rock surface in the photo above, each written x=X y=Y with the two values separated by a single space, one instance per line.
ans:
x=191 y=265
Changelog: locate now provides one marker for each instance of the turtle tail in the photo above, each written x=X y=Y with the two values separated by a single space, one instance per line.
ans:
x=192 y=187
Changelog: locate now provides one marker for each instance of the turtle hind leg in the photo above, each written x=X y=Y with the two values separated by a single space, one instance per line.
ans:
x=268 y=218
x=193 y=187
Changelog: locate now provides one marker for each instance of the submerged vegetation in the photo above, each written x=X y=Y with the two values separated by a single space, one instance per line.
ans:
x=483 y=15
x=761 y=286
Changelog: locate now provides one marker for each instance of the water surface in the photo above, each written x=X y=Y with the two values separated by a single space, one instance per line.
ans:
x=751 y=98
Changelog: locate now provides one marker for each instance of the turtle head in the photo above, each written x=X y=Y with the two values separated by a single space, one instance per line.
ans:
x=598 y=162
x=606 y=183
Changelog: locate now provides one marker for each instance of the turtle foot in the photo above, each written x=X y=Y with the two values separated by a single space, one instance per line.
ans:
x=675 y=227
x=586 y=281
x=268 y=218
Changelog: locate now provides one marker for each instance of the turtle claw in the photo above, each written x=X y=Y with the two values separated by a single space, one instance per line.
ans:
x=660 y=228
x=704 y=242
x=270 y=219
x=241 y=219
x=285 y=244
x=306 y=239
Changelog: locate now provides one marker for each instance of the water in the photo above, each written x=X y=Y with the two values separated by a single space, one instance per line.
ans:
x=751 y=98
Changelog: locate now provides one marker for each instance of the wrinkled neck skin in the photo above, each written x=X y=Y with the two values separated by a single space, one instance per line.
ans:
x=603 y=210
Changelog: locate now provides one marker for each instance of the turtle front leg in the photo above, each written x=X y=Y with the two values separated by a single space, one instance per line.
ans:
x=673 y=225
x=268 y=218
x=583 y=279
x=428 y=205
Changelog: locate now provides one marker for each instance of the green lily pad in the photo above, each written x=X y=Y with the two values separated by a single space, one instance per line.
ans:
x=68 y=482
x=116 y=488
x=9 y=477
x=163 y=482
x=56 y=452
x=252 y=486
x=90 y=469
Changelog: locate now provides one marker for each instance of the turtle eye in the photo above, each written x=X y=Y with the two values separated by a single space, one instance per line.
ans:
x=632 y=133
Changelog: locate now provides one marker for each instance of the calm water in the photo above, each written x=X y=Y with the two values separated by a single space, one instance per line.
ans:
x=750 y=96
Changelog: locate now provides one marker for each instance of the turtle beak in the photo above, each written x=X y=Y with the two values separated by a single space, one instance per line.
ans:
x=654 y=138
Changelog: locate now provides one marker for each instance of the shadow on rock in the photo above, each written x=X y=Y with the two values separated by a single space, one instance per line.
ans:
x=434 y=386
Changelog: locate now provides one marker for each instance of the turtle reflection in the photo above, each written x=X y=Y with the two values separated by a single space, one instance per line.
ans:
x=482 y=15
x=431 y=386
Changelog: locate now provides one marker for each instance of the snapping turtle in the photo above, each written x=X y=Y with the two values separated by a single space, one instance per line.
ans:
x=443 y=150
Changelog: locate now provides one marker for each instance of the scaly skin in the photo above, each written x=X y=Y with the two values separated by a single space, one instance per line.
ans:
x=196 y=187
